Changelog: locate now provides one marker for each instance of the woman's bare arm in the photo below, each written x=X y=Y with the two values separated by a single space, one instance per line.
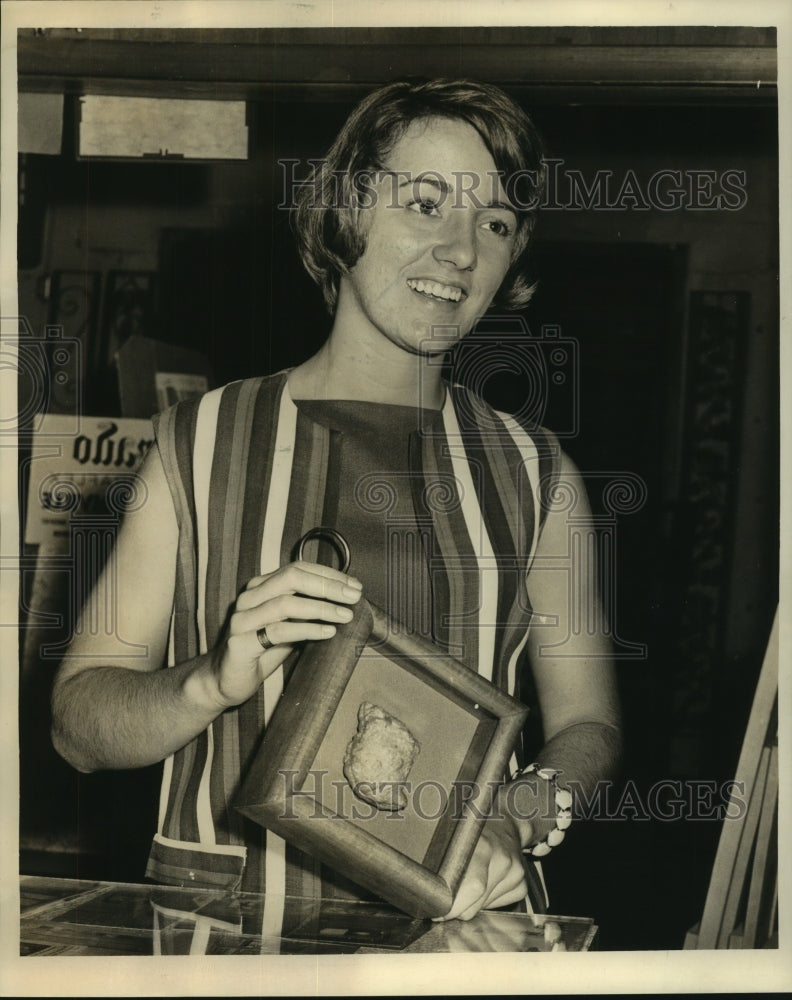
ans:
x=113 y=704
x=571 y=659
x=576 y=688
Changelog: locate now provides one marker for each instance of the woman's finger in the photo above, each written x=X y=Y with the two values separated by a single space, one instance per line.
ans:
x=307 y=579
x=289 y=633
x=289 y=607
x=505 y=896
x=475 y=885
x=467 y=902
x=502 y=894
x=303 y=574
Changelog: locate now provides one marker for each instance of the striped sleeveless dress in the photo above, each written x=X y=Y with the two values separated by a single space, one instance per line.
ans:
x=453 y=505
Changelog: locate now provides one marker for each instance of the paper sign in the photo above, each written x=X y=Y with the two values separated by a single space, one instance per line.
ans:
x=80 y=471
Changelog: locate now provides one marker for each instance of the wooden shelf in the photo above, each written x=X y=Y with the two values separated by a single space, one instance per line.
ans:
x=571 y=64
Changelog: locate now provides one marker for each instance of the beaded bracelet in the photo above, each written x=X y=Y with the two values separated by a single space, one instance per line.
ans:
x=563 y=804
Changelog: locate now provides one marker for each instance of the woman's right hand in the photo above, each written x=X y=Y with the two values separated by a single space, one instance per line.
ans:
x=299 y=601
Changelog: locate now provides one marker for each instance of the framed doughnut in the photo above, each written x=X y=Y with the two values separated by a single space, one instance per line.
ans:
x=382 y=759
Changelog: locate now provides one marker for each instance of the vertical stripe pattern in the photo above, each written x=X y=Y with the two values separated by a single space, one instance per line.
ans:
x=275 y=506
x=479 y=631
x=249 y=474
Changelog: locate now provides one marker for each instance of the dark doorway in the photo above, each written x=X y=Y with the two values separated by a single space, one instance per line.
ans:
x=622 y=306
x=609 y=320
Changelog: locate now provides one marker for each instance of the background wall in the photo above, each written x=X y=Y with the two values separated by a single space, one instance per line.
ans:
x=693 y=610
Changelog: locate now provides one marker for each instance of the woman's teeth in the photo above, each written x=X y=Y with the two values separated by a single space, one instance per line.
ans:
x=445 y=292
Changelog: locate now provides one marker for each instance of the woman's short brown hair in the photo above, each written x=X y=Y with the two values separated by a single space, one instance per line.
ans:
x=326 y=219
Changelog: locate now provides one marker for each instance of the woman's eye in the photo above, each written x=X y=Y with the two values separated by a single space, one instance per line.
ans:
x=425 y=206
x=499 y=227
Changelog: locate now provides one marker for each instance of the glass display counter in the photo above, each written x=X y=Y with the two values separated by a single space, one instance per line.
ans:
x=72 y=917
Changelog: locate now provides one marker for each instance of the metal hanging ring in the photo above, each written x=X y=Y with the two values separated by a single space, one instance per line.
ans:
x=331 y=535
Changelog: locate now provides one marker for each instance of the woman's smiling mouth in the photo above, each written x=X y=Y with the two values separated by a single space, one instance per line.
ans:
x=436 y=290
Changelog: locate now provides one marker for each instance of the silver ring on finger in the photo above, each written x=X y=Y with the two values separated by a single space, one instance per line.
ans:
x=264 y=640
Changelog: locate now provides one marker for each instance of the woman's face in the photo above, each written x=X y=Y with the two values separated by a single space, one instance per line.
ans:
x=439 y=240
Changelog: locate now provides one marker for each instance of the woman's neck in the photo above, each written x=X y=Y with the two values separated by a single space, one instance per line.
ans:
x=336 y=373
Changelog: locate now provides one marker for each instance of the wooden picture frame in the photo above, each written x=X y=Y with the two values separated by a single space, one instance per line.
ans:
x=415 y=856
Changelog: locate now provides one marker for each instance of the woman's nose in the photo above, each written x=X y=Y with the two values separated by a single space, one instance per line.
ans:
x=456 y=243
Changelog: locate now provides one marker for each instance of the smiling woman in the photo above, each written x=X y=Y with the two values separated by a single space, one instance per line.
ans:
x=433 y=260
x=412 y=225
x=458 y=518
x=329 y=237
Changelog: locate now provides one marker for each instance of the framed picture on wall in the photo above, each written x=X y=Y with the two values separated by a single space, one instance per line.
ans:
x=129 y=308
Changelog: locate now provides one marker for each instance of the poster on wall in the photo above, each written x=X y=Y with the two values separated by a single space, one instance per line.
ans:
x=72 y=475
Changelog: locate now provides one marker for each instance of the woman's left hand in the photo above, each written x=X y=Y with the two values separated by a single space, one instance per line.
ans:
x=495 y=875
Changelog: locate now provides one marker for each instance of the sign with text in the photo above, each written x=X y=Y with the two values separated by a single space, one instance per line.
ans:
x=82 y=471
